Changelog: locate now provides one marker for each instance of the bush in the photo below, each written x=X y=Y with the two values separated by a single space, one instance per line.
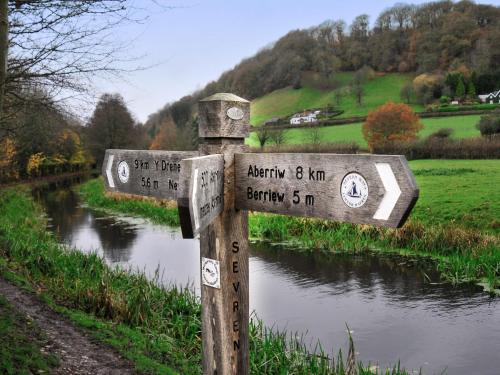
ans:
x=442 y=133
x=489 y=125
x=391 y=122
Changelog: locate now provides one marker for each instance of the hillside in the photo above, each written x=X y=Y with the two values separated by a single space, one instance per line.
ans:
x=285 y=102
x=438 y=38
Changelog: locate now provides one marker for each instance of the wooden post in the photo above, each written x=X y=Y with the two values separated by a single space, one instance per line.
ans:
x=223 y=125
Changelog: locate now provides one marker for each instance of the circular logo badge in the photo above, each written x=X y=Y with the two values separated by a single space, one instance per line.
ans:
x=354 y=190
x=210 y=272
x=235 y=113
x=123 y=172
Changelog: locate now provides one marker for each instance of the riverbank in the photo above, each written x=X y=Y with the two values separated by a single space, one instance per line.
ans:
x=455 y=222
x=156 y=328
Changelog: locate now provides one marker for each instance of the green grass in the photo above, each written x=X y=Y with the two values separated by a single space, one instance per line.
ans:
x=158 y=328
x=21 y=344
x=155 y=210
x=463 y=127
x=287 y=101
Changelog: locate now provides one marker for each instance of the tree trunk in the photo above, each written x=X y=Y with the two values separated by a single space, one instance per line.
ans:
x=4 y=49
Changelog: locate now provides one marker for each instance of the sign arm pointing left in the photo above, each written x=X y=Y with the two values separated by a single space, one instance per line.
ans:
x=109 y=175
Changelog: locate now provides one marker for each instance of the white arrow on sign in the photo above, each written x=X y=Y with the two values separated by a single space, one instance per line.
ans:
x=194 y=201
x=111 y=182
x=392 y=191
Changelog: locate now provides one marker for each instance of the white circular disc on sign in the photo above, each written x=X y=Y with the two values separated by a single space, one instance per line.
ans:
x=123 y=172
x=354 y=190
x=235 y=113
x=210 y=272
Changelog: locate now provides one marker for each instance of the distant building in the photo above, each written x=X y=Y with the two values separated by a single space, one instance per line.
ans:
x=272 y=121
x=304 y=117
x=493 y=97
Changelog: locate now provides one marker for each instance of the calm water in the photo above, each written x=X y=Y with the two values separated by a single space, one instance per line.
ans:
x=389 y=305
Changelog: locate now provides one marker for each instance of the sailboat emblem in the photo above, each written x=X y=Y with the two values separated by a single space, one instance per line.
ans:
x=354 y=190
x=123 y=171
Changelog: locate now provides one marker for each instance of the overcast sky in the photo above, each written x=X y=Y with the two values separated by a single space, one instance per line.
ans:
x=195 y=41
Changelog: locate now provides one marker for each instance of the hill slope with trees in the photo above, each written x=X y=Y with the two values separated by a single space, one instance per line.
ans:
x=435 y=38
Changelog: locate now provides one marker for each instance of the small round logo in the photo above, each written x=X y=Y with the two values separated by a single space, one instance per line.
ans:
x=235 y=113
x=210 y=272
x=354 y=190
x=123 y=172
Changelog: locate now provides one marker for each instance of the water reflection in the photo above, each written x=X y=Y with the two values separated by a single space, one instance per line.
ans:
x=389 y=304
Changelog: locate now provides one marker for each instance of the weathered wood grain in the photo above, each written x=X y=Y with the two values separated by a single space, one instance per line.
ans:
x=225 y=311
x=151 y=173
x=223 y=115
x=310 y=185
x=200 y=198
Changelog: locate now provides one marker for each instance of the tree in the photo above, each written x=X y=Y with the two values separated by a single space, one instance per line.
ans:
x=111 y=126
x=263 y=135
x=471 y=90
x=58 y=46
x=278 y=136
x=314 y=136
x=166 y=138
x=390 y=123
x=460 y=88
x=427 y=87
x=406 y=93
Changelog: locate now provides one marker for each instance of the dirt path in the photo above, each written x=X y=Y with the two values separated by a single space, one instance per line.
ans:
x=79 y=354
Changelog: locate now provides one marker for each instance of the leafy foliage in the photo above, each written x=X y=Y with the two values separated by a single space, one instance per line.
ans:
x=389 y=123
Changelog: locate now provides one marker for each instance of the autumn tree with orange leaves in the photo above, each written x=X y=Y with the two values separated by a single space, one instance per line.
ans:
x=389 y=123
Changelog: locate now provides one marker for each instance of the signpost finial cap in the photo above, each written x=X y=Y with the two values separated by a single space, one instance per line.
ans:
x=224 y=115
x=224 y=96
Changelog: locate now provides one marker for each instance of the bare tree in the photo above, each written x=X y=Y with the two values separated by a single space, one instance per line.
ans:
x=314 y=136
x=278 y=136
x=58 y=47
x=263 y=135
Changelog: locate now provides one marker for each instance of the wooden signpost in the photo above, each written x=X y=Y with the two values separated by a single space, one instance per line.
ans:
x=150 y=173
x=215 y=190
x=201 y=197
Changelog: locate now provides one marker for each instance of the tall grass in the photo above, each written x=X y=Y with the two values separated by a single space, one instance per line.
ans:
x=157 y=210
x=462 y=255
x=157 y=327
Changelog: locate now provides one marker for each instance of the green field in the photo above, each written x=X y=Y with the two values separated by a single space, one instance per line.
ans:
x=458 y=192
x=287 y=101
x=463 y=127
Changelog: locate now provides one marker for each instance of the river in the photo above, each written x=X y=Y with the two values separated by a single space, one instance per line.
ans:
x=394 y=307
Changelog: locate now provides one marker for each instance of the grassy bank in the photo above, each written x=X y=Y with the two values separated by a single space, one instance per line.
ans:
x=455 y=222
x=157 y=328
x=463 y=127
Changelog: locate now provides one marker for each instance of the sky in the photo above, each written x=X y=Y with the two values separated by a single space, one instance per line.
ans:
x=186 y=44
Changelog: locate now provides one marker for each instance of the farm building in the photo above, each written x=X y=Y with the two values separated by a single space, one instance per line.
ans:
x=304 y=117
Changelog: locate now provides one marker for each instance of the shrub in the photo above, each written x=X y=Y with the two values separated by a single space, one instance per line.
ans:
x=442 y=133
x=391 y=122
x=489 y=125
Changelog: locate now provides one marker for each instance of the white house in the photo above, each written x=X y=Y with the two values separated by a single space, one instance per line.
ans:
x=304 y=117
x=493 y=97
